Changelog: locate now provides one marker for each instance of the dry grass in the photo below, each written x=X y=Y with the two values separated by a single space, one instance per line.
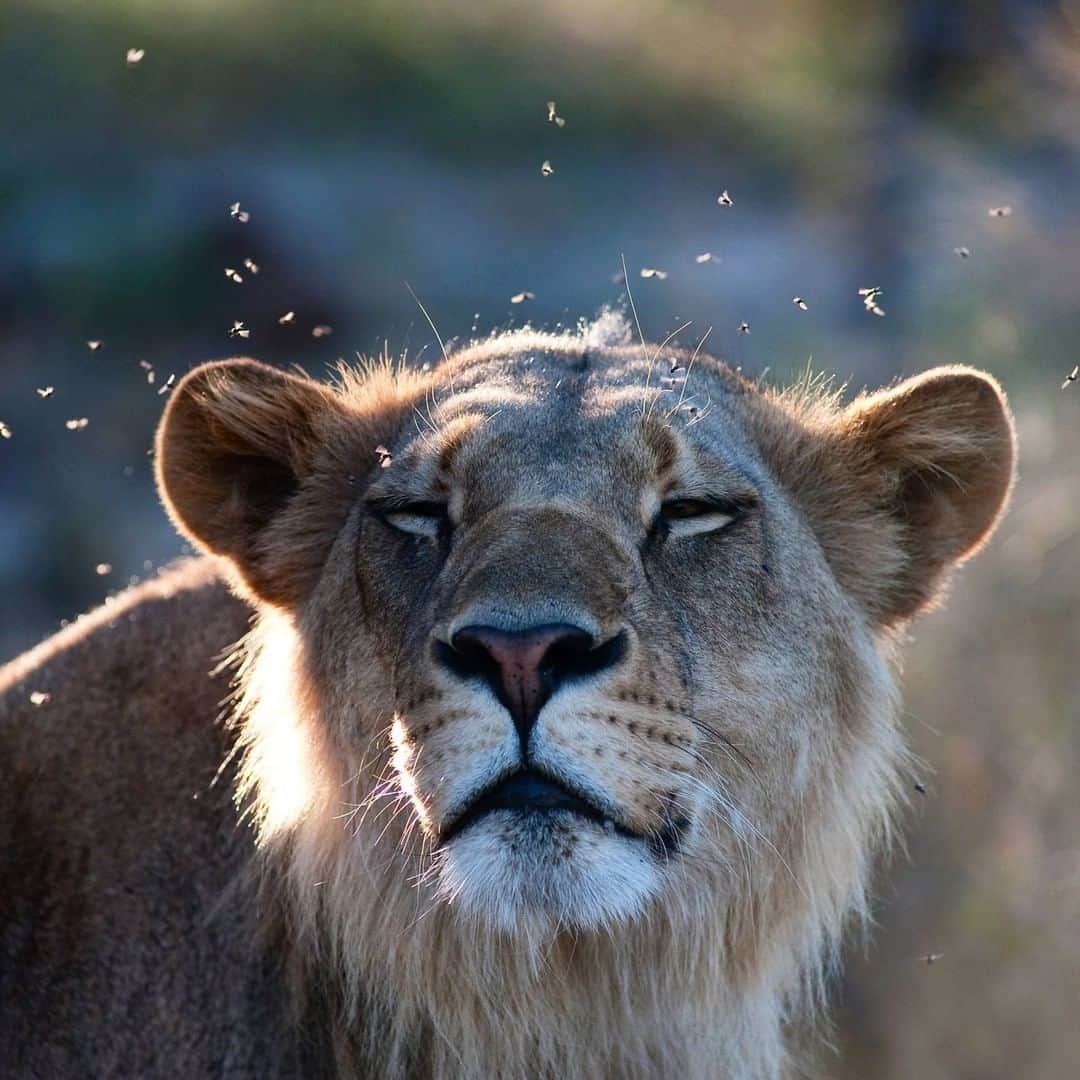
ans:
x=992 y=881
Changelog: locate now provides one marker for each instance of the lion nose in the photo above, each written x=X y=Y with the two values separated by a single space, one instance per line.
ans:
x=525 y=667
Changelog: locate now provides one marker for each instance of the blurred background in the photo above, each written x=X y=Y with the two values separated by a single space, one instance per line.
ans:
x=928 y=149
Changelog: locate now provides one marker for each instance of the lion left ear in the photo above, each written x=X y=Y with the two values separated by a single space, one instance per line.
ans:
x=938 y=451
x=236 y=446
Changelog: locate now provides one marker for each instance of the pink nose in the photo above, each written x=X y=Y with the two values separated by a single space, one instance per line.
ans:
x=525 y=667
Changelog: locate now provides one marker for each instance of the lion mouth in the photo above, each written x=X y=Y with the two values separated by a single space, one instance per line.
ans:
x=528 y=792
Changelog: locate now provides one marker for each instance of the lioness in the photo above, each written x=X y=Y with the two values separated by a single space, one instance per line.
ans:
x=562 y=729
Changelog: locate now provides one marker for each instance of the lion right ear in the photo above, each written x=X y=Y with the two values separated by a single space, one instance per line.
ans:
x=940 y=449
x=236 y=443
x=901 y=485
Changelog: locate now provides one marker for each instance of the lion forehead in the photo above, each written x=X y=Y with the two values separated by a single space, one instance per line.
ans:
x=555 y=422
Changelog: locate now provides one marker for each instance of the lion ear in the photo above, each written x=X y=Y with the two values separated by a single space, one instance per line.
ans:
x=234 y=447
x=936 y=454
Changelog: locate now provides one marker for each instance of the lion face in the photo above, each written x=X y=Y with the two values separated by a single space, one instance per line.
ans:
x=599 y=641
x=608 y=639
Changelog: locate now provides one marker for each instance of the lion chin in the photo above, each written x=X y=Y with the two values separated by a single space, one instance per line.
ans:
x=540 y=872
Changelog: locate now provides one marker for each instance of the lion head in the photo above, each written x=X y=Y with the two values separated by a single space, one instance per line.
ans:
x=575 y=666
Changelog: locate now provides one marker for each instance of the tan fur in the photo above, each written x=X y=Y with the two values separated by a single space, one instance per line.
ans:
x=747 y=736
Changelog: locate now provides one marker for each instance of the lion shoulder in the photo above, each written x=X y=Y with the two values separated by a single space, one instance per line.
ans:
x=117 y=841
x=123 y=678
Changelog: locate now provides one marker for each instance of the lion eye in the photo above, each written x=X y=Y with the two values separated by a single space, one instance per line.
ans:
x=420 y=519
x=678 y=509
x=685 y=517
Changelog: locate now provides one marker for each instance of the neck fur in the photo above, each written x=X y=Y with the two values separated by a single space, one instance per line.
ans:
x=708 y=984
